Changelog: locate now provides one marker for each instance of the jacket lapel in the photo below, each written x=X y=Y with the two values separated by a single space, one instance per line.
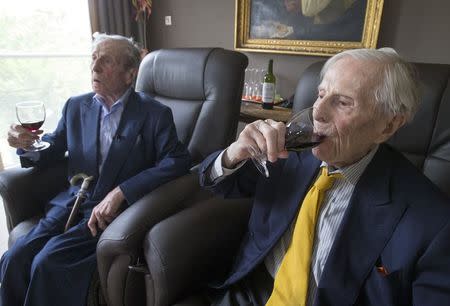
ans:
x=90 y=124
x=366 y=228
x=127 y=131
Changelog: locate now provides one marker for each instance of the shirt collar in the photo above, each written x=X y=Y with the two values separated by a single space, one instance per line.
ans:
x=354 y=171
x=121 y=102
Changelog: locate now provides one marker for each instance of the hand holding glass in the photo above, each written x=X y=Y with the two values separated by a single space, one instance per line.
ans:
x=300 y=135
x=31 y=115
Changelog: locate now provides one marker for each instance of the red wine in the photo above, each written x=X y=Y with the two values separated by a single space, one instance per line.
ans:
x=302 y=145
x=298 y=138
x=33 y=126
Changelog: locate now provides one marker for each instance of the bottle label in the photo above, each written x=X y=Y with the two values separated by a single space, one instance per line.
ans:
x=268 y=93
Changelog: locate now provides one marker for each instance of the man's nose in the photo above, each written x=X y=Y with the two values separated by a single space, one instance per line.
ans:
x=95 y=66
x=320 y=109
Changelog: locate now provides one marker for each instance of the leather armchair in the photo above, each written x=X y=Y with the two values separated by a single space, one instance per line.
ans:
x=176 y=277
x=203 y=87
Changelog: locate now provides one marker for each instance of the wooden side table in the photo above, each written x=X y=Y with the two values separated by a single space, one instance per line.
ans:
x=253 y=111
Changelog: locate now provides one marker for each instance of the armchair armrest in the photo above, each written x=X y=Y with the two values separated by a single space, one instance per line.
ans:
x=26 y=190
x=120 y=245
x=193 y=247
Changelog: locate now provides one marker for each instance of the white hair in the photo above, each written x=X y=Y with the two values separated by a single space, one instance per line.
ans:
x=396 y=90
x=132 y=50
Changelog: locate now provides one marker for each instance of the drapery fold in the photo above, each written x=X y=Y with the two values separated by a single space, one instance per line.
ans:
x=116 y=17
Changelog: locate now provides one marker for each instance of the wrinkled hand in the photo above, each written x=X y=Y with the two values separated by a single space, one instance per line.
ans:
x=20 y=138
x=106 y=211
x=267 y=135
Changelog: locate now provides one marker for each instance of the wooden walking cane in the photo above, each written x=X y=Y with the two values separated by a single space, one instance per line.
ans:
x=81 y=196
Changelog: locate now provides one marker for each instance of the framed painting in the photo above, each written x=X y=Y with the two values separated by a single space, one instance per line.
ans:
x=310 y=27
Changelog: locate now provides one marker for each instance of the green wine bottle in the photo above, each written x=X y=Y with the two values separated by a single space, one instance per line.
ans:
x=268 y=92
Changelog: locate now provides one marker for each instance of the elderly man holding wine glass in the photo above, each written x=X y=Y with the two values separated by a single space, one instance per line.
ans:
x=349 y=221
x=125 y=143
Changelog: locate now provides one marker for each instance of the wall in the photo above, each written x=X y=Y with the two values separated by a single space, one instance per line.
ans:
x=418 y=31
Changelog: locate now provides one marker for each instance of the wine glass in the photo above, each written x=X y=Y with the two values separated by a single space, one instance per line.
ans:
x=259 y=83
x=250 y=83
x=31 y=115
x=245 y=91
x=300 y=135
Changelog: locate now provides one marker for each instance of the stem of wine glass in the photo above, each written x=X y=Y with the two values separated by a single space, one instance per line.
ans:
x=259 y=159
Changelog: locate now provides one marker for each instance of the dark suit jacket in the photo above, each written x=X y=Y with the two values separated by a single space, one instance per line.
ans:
x=396 y=219
x=144 y=154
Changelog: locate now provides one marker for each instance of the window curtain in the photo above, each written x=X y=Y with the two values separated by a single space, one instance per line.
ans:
x=117 y=17
x=2 y=167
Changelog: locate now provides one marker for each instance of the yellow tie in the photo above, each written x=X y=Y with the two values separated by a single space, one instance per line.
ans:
x=291 y=282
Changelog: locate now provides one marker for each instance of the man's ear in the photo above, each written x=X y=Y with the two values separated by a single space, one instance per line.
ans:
x=392 y=126
x=131 y=75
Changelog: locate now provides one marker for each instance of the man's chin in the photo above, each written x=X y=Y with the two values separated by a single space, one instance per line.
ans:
x=97 y=90
x=315 y=151
x=319 y=151
x=96 y=86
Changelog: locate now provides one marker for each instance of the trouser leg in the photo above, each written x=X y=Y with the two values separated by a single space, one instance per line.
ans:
x=253 y=290
x=195 y=300
x=61 y=272
x=15 y=264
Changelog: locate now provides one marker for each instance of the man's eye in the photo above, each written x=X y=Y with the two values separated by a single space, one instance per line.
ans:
x=345 y=103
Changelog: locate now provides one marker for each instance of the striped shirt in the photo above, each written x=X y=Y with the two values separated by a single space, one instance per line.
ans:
x=109 y=122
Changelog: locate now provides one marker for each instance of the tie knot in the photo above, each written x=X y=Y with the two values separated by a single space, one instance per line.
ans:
x=325 y=181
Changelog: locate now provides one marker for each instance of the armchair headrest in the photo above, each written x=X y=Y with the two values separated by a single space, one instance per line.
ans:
x=203 y=88
x=177 y=73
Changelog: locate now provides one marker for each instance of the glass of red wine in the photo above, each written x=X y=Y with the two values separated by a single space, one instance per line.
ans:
x=31 y=115
x=300 y=135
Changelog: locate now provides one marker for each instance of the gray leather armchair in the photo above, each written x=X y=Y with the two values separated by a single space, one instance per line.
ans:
x=187 y=250
x=203 y=87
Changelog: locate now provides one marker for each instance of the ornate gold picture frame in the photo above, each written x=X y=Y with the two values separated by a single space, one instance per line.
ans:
x=309 y=27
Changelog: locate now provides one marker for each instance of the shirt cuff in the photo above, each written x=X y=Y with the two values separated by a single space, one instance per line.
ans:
x=219 y=172
x=33 y=156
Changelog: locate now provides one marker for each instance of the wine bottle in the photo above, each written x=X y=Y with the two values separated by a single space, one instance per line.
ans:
x=268 y=92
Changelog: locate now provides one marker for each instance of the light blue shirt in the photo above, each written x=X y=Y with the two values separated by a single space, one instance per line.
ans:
x=109 y=122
